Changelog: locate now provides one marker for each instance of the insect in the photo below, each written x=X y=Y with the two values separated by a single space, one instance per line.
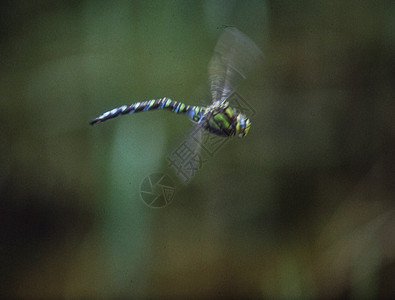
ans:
x=235 y=55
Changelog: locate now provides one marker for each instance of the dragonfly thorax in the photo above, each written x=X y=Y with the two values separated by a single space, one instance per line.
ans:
x=223 y=120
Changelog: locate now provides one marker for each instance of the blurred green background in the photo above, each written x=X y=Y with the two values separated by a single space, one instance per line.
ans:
x=303 y=207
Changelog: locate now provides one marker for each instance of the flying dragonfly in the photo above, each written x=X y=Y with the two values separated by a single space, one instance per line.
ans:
x=235 y=55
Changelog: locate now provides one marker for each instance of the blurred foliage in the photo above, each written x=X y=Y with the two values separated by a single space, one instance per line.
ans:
x=303 y=207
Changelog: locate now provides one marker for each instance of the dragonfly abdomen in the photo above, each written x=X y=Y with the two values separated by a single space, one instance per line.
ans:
x=194 y=112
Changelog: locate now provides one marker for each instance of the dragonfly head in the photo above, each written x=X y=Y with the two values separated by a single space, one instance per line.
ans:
x=243 y=125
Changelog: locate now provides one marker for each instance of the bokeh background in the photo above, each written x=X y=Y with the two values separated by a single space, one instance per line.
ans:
x=303 y=207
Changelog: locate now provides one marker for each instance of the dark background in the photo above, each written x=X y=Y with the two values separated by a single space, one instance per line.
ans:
x=303 y=207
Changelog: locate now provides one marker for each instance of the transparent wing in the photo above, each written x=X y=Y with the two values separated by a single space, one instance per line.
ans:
x=235 y=55
x=186 y=159
x=195 y=151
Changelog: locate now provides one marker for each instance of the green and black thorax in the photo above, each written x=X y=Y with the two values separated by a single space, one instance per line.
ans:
x=223 y=120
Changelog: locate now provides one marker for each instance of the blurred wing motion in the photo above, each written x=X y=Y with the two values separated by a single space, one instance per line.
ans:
x=235 y=55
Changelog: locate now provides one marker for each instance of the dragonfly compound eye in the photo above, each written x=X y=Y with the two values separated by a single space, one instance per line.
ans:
x=248 y=125
x=243 y=125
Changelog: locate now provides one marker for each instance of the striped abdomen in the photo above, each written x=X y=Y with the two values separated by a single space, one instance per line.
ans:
x=195 y=112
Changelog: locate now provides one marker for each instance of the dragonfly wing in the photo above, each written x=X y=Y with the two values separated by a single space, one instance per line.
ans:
x=235 y=55
x=186 y=159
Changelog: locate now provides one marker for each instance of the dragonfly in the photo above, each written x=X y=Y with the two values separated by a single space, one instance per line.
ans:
x=235 y=55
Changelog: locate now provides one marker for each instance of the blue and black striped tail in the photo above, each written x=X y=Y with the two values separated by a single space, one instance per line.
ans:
x=195 y=112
